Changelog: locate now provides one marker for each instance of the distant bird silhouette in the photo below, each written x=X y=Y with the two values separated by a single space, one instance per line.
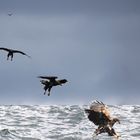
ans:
x=11 y=53
x=99 y=114
x=51 y=81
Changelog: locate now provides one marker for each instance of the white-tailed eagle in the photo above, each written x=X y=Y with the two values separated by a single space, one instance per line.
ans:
x=99 y=114
x=11 y=52
x=51 y=81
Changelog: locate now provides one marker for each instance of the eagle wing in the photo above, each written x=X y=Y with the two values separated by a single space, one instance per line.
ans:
x=51 y=78
x=5 y=49
x=100 y=107
x=17 y=51
x=98 y=113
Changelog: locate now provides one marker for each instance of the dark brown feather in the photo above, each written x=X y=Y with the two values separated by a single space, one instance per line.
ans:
x=5 y=49
x=98 y=113
x=48 y=77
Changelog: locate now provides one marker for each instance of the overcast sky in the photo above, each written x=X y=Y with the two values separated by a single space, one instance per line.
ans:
x=94 y=44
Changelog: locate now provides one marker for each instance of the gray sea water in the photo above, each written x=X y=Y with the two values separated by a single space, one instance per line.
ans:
x=63 y=123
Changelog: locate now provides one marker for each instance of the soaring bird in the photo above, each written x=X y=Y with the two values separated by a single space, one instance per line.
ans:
x=11 y=53
x=99 y=114
x=51 y=81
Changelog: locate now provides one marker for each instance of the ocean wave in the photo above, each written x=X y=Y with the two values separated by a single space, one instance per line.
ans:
x=63 y=123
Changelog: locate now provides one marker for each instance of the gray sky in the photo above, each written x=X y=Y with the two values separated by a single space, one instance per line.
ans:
x=94 y=44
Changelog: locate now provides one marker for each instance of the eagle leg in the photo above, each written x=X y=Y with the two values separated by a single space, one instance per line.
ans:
x=48 y=93
x=7 y=57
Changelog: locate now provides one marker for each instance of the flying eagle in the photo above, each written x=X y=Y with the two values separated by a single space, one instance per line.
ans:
x=99 y=114
x=51 y=81
x=11 y=52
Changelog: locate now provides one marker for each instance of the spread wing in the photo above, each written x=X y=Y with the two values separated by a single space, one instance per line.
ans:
x=98 y=113
x=51 y=78
x=100 y=107
x=5 y=49
x=96 y=117
x=17 y=51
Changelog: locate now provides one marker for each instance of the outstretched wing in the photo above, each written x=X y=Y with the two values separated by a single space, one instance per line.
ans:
x=51 y=78
x=5 y=49
x=100 y=107
x=98 y=113
x=17 y=51
x=95 y=117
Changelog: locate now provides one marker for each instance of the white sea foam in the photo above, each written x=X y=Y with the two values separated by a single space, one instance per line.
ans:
x=63 y=123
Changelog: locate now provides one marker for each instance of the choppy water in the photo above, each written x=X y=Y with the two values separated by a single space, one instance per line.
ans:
x=63 y=123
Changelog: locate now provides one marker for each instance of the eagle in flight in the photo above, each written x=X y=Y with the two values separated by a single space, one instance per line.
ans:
x=11 y=53
x=99 y=114
x=51 y=81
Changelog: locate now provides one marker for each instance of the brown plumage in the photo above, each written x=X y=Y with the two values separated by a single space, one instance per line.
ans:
x=51 y=81
x=11 y=53
x=99 y=114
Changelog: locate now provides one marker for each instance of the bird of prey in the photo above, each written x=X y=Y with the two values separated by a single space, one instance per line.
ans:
x=99 y=114
x=11 y=53
x=51 y=81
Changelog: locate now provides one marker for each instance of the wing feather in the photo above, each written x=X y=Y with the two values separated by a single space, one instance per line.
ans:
x=48 y=77
x=14 y=51
x=5 y=49
x=100 y=107
x=17 y=51
x=98 y=113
